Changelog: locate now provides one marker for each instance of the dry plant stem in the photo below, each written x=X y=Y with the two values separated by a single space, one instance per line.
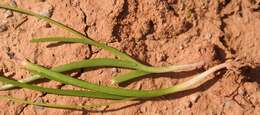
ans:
x=120 y=91
x=197 y=79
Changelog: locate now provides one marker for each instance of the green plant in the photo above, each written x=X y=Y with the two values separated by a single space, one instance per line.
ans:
x=97 y=91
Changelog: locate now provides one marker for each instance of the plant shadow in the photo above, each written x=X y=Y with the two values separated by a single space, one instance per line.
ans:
x=253 y=75
x=86 y=112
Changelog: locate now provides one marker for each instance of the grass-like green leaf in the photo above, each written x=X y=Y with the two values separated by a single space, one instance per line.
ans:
x=128 y=76
x=98 y=62
x=119 y=91
x=79 y=93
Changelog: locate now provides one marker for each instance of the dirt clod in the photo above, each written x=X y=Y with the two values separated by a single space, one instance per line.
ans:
x=47 y=10
x=241 y=91
x=8 y=14
x=228 y=104
x=251 y=87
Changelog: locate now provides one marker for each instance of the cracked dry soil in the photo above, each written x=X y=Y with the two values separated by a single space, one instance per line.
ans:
x=156 y=32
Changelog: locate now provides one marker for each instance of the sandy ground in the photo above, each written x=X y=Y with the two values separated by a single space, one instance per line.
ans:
x=156 y=32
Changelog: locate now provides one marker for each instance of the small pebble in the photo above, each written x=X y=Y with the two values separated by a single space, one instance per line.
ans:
x=47 y=11
x=143 y=109
x=100 y=72
x=208 y=37
x=241 y=91
x=228 y=104
x=177 y=112
x=75 y=73
x=3 y=28
x=256 y=7
x=181 y=47
x=161 y=57
x=165 y=107
x=8 y=74
x=8 y=14
x=115 y=70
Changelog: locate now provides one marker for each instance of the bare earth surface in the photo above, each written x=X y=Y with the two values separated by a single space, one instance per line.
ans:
x=156 y=32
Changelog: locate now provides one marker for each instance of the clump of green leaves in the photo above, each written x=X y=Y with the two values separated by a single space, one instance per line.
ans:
x=93 y=90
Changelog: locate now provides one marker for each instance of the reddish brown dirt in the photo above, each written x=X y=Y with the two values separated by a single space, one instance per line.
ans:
x=156 y=32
